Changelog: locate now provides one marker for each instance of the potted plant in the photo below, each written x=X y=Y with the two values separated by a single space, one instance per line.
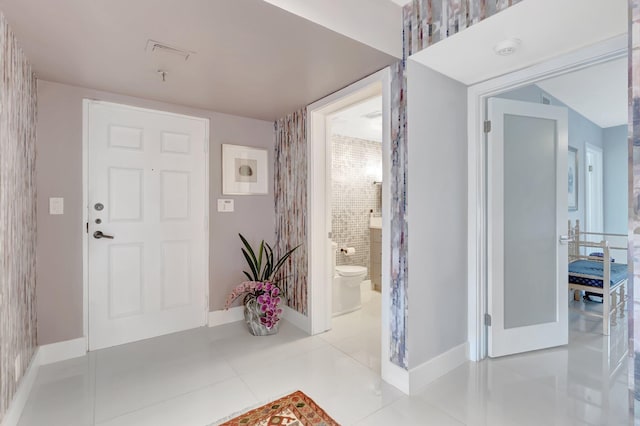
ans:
x=262 y=291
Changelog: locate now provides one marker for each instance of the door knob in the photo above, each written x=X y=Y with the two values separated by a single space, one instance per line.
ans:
x=99 y=234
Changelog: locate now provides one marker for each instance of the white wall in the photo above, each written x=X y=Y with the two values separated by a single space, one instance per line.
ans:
x=437 y=213
x=616 y=178
x=376 y=23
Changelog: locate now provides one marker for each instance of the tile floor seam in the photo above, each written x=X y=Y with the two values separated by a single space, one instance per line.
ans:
x=143 y=407
x=355 y=359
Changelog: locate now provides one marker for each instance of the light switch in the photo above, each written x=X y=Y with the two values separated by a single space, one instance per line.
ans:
x=56 y=205
x=225 y=205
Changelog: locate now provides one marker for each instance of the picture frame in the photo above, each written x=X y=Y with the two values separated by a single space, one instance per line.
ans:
x=244 y=170
x=573 y=178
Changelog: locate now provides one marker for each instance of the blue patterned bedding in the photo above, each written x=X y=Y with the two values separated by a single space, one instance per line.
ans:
x=594 y=267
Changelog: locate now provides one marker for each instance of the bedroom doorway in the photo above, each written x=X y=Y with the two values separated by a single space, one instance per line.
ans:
x=594 y=187
x=526 y=85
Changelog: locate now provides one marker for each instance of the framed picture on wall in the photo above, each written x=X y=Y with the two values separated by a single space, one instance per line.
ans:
x=573 y=178
x=244 y=170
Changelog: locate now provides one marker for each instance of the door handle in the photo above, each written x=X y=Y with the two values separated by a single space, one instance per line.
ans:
x=99 y=234
x=565 y=239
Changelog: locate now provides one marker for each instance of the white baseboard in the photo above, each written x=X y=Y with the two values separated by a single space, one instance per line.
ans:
x=429 y=371
x=62 y=351
x=226 y=316
x=296 y=318
x=17 y=404
x=395 y=376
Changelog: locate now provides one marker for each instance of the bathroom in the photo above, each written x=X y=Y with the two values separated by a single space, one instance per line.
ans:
x=356 y=206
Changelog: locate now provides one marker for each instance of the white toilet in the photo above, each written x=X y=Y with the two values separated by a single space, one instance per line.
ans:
x=346 y=285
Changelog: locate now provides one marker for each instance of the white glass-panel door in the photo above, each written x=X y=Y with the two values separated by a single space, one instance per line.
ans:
x=527 y=206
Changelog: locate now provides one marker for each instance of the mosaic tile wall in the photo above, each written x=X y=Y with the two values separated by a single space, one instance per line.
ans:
x=290 y=193
x=356 y=164
x=17 y=213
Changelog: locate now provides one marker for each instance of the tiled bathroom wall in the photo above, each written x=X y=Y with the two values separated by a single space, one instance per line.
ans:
x=356 y=164
x=17 y=215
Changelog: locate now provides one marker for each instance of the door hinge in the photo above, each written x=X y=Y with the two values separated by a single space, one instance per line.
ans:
x=87 y=227
x=487 y=320
x=487 y=126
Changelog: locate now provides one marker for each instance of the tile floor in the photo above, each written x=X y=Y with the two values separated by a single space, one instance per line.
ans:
x=200 y=376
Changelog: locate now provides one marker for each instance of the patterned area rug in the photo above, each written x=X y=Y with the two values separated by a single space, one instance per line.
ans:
x=296 y=409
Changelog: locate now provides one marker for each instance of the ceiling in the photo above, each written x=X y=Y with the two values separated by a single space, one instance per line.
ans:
x=362 y=121
x=598 y=92
x=251 y=58
x=468 y=56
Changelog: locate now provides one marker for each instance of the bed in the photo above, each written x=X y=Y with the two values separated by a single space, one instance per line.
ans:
x=596 y=273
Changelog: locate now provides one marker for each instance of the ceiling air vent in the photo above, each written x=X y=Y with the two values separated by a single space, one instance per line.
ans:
x=158 y=47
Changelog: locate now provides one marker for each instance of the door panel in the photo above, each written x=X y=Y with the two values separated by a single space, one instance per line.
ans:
x=147 y=188
x=527 y=205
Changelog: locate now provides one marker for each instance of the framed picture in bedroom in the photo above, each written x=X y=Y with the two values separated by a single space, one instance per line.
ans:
x=573 y=178
x=244 y=170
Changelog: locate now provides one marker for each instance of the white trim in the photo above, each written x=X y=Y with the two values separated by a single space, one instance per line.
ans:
x=320 y=273
x=224 y=316
x=303 y=322
x=427 y=372
x=476 y=197
x=19 y=401
x=62 y=351
x=85 y=203
x=395 y=376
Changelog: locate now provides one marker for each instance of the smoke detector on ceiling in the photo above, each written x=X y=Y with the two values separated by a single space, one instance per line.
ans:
x=507 y=47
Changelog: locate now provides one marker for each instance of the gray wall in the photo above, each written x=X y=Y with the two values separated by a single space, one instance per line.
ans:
x=437 y=212
x=59 y=174
x=581 y=131
x=616 y=178
x=354 y=195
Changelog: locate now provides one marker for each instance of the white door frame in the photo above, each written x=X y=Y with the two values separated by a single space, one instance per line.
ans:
x=320 y=209
x=477 y=194
x=85 y=204
x=587 y=187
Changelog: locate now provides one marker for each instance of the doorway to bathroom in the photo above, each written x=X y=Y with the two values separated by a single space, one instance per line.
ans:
x=349 y=137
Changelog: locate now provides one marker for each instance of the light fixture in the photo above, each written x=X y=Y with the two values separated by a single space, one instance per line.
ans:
x=507 y=47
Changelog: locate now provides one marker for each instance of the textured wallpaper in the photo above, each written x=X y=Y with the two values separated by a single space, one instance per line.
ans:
x=355 y=165
x=634 y=180
x=17 y=214
x=425 y=22
x=290 y=194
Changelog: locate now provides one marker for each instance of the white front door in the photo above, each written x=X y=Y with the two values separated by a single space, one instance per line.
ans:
x=147 y=231
x=527 y=206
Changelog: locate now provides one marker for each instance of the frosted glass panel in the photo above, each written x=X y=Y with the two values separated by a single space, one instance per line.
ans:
x=530 y=240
